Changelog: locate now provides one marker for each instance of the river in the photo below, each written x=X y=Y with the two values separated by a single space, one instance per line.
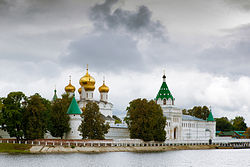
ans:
x=185 y=158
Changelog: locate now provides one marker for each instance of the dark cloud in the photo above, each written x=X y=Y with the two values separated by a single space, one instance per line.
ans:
x=242 y=4
x=42 y=13
x=106 y=51
x=113 y=43
x=136 y=22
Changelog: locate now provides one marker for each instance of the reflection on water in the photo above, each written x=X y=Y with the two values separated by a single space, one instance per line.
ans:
x=183 y=158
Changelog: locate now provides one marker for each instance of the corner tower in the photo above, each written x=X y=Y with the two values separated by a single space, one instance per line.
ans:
x=74 y=113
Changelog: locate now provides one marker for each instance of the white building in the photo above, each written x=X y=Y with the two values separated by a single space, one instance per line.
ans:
x=179 y=126
x=86 y=92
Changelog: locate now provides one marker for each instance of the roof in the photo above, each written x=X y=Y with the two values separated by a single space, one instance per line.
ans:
x=210 y=116
x=164 y=92
x=108 y=118
x=74 y=108
x=190 y=118
x=226 y=133
x=240 y=133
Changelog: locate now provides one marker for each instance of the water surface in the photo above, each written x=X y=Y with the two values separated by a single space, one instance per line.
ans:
x=187 y=158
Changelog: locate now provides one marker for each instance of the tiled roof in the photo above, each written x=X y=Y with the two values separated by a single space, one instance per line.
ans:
x=190 y=118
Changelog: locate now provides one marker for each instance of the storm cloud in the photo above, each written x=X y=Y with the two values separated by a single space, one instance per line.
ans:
x=113 y=43
x=136 y=22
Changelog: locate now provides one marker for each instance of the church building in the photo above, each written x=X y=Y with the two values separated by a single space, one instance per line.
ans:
x=180 y=126
x=86 y=92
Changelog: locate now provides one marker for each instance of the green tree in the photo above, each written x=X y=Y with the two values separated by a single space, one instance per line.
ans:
x=117 y=119
x=247 y=133
x=35 y=117
x=198 y=112
x=12 y=114
x=59 y=119
x=145 y=120
x=239 y=124
x=223 y=124
x=1 y=113
x=93 y=125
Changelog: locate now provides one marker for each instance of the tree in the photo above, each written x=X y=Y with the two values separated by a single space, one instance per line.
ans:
x=145 y=120
x=117 y=119
x=92 y=126
x=223 y=124
x=12 y=114
x=59 y=119
x=198 y=112
x=35 y=117
x=247 y=133
x=239 y=124
x=1 y=113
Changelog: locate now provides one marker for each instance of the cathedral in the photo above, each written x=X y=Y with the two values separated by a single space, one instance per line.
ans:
x=86 y=92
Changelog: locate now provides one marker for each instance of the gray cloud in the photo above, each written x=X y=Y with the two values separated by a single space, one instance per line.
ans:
x=106 y=51
x=135 y=22
x=242 y=4
x=113 y=43
x=231 y=56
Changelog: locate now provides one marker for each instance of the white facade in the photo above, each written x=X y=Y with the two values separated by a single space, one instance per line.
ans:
x=75 y=121
x=87 y=95
x=179 y=126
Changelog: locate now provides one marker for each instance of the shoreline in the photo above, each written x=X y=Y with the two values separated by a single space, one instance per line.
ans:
x=63 y=149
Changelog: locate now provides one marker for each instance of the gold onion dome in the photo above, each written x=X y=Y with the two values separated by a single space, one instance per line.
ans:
x=104 y=88
x=80 y=90
x=88 y=82
x=70 y=88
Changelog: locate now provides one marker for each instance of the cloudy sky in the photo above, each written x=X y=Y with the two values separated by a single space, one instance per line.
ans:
x=204 y=47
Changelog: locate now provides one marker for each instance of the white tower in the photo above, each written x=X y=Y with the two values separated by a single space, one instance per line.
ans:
x=75 y=121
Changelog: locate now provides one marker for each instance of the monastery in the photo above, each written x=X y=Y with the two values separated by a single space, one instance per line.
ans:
x=178 y=126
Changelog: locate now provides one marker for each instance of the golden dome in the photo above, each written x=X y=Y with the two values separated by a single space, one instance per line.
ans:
x=70 y=88
x=89 y=87
x=80 y=90
x=103 y=88
x=88 y=82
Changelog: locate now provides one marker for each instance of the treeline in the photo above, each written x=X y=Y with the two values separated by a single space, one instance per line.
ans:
x=222 y=124
x=31 y=117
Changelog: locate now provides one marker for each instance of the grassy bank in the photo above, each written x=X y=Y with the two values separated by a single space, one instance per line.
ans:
x=14 y=148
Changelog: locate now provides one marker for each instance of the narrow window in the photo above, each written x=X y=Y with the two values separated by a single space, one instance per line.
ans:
x=164 y=101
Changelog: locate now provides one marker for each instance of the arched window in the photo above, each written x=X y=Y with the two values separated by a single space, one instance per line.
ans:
x=164 y=101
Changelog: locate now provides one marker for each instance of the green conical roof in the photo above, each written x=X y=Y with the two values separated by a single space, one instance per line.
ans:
x=210 y=116
x=73 y=108
x=164 y=92
x=55 y=96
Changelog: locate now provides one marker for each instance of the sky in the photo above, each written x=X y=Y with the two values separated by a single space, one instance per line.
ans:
x=203 y=46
